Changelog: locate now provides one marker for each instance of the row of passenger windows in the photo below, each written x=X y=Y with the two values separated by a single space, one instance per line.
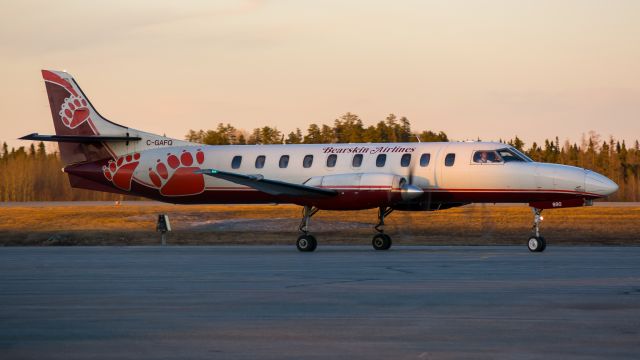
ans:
x=356 y=161
x=481 y=156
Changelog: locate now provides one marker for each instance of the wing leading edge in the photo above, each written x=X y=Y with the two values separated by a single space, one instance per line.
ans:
x=271 y=187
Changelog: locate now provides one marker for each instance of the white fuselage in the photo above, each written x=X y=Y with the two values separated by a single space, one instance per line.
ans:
x=478 y=181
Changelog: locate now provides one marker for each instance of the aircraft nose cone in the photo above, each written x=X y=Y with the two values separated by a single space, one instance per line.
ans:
x=599 y=184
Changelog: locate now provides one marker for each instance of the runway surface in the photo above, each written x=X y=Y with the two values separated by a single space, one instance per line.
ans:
x=341 y=302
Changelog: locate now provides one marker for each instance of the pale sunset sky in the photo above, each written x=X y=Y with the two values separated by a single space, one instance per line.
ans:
x=490 y=69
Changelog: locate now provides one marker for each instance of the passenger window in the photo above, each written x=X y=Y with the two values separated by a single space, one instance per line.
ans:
x=381 y=160
x=284 y=161
x=357 y=160
x=450 y=159
x=331 y=160
x=307 y=161
x=260 y=162
x=405 y=160
x=424 y=160
x=235 y=163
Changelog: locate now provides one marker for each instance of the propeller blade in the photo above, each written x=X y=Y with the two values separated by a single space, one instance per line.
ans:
x=411 y=171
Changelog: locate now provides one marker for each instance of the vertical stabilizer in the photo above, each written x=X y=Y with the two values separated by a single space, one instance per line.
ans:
x=74 y=115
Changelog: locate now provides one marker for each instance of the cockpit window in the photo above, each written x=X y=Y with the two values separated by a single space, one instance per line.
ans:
x=511 y=154
x=486 y=157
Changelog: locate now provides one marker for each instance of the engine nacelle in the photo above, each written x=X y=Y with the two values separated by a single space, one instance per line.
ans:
x=365 y=190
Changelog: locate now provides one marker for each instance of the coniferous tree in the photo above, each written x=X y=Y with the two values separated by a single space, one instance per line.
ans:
x=42 y=152
x=327 y=135
x=295 y=137
x=314 y=135
x=348 y=129
x=32 y=151
x=5 y=150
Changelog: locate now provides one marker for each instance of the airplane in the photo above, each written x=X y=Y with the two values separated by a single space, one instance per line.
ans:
x=101 y=155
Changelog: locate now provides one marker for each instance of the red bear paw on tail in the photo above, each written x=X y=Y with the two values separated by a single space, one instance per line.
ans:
x=74 y=111
x=177 y=177
x=120 y=172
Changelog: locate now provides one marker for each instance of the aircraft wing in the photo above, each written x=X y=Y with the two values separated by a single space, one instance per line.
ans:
x=271 y=187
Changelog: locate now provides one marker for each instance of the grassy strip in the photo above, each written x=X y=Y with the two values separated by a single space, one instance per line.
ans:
x=217 y=224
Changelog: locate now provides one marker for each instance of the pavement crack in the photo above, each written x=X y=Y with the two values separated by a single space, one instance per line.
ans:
x=398 y=270
x=329 y=283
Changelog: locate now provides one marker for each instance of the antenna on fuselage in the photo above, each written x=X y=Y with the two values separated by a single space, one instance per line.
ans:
x=418 y=137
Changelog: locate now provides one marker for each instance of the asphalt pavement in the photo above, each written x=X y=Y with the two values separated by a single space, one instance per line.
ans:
x=341 y=302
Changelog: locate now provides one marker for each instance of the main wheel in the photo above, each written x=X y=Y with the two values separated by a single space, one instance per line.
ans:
x=536 y=244
x=381 y=241
x=306 y=242
x=544 y=244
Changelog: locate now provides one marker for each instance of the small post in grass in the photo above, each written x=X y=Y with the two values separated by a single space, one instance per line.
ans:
x=163 y=227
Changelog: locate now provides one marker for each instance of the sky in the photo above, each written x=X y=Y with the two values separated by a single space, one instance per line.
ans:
x=490 y=69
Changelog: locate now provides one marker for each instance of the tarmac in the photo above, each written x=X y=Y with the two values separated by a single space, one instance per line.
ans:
x=341 y=302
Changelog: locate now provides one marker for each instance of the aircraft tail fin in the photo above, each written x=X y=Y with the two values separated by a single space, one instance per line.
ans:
x=74 y=117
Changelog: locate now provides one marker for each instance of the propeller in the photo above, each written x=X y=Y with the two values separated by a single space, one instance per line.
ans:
x=410 y=191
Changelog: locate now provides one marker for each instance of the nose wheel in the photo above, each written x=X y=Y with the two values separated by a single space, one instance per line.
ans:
x=536 y=242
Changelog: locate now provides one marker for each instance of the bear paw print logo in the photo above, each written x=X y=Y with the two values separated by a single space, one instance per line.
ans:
x=74 y=112
x=120 y=171
x=175 y=175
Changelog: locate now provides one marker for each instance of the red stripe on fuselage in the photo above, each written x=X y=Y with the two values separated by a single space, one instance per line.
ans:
x=515 y=191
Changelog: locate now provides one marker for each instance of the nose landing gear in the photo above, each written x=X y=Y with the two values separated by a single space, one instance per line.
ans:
x=536 y=242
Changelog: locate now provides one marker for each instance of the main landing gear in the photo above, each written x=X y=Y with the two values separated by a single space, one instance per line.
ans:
x=381 y=241
x=307 y=242
x=536 y=242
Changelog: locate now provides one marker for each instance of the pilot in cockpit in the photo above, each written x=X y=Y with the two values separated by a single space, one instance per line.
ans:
x=484 y=157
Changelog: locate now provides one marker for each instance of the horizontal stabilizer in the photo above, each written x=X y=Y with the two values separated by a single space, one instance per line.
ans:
x=271 y=187
x=84 y=139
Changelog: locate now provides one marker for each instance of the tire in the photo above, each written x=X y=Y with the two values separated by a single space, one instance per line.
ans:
x=314 y=243
x=306 y=243
x=536 y=244
x=381 y=242
x=544 y=244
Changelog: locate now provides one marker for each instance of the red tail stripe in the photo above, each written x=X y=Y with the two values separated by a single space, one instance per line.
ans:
x=50 y=76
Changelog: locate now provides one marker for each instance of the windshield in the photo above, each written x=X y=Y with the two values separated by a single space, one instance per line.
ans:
x=511 y=154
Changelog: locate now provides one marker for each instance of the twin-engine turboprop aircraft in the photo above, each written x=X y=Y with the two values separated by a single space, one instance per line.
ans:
x=104 y=156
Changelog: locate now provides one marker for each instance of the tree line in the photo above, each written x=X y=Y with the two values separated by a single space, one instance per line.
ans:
x=349 y=128
x=33 y=174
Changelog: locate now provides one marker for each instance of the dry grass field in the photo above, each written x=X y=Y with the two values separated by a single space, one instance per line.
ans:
x=271 y=224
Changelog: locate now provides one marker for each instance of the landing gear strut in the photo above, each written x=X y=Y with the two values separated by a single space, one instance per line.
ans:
x=381 y=241
x=536 y=242
x=306 y=242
